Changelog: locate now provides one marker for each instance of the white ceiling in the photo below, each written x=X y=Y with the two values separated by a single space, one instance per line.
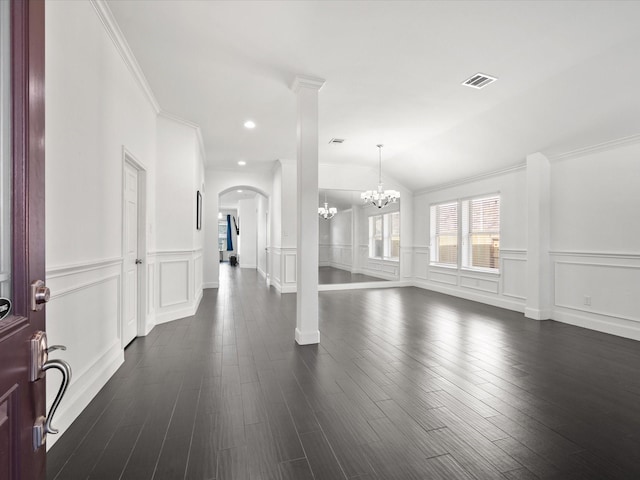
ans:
x=567 y=78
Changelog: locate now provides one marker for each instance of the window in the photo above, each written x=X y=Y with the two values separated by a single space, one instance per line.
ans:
x=222 y=235
x=444 y=231
x=384 y=236
x=483 y=245
x=476 y=234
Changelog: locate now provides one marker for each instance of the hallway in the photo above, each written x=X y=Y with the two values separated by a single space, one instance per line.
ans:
x=406 y=384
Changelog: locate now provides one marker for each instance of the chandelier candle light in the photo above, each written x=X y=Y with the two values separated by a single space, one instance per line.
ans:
x=380 y=198
x=326 y=212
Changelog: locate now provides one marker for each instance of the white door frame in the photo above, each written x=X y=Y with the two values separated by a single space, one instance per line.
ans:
x=129 y=159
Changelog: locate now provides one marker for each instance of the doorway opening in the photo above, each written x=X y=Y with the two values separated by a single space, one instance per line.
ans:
x=243 y=229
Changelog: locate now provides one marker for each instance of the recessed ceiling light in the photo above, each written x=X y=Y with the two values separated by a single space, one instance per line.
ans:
x=249 y=124
x=239 y=191
x=242 y=163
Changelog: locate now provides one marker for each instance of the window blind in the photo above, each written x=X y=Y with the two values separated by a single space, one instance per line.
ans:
x=485 y=232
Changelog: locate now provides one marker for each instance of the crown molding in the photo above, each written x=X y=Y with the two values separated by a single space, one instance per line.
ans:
x=306 y=81
x=599 y=147
x=187 y=123
x=474 y=178
x=117 y=37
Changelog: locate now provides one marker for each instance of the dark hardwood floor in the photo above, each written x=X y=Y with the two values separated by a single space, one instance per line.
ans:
x=331 y=275
x=406 y=384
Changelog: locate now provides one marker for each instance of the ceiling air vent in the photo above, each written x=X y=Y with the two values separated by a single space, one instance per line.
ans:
x=336 y=140
x=479 y=80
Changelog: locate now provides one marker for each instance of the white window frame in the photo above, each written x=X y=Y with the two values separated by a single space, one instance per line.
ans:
x=433 y=245
x=464 y=247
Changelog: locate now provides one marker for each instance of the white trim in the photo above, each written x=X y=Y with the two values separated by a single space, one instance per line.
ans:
x=82 y=286
x=208 y=285
x=335 y=287
x=175 y=252
x=187 y=123
x=621 y=328
x=307 y=338
x=598 y=147
x=117 y=37
x=475 y=178
x=75 y=268
x=494 y=300
x=627 y=256
x=80 y=395
x=513 y=251
x=306 y=81
x=537 y=314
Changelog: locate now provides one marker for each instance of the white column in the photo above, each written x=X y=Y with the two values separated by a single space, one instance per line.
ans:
x=539 y=281
x=307 y=88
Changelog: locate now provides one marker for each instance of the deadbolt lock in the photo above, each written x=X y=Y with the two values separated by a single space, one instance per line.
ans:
x=39 y=295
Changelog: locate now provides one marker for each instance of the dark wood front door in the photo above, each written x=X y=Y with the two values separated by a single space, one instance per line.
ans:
x=21 y=233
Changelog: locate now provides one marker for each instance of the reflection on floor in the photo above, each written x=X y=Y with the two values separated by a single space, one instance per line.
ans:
x=330 y=276
x=405 y=384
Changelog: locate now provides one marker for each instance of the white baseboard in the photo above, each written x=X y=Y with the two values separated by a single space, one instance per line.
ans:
x=307 y=338
x=613 y=326
x=495 y=301
x=187 y=311
x=207 y=285
x=537 y=314
x=84 y=389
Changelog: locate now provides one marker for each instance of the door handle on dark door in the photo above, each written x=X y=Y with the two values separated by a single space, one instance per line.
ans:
x=43 y=424
x=40 y=363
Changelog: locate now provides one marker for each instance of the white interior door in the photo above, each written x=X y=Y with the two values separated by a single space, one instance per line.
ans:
x=130 y=317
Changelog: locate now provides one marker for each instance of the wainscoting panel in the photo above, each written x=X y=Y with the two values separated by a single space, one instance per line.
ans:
x=289 y=267
x=406 y=262
x=421 y=263
x=610 y=290
x=179 y=283
x=174 y=282
x=84 y=314
x=443 y=277
x=514 y=277
x=482 y=284
x=598 y=290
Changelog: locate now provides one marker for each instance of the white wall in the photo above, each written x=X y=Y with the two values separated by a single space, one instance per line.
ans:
x=263 y=232
x=177 y=263
x=594 y=230
x=95 y=106
x=248 y=238
x=595 y=227
x=98 y=107
x=506 y=289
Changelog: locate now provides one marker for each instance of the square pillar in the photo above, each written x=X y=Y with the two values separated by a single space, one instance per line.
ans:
x=306 y=89
x=539 y=281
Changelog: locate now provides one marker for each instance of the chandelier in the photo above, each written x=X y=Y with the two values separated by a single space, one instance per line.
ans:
x=380 y=198
x=326 y=212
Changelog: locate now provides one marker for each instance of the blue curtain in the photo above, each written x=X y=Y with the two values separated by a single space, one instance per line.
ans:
x=229 y=239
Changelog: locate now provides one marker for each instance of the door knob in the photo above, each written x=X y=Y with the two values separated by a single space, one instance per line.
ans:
x=40 y=295
x=138 y=261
